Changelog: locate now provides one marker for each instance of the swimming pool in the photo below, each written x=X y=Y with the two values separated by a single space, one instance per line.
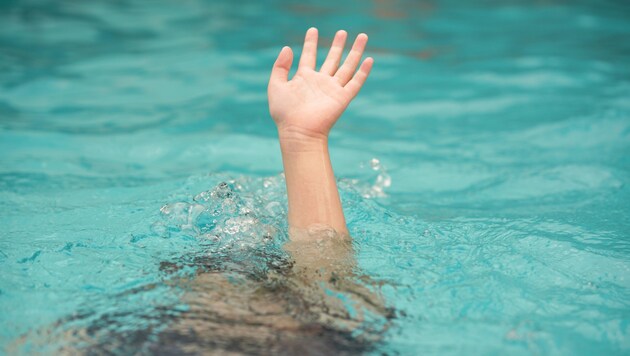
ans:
x=484 y=171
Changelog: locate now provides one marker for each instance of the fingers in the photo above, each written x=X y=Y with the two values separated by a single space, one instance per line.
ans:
x=282 y=66
x=344 y=74
x=334 y=55
x=359 y=78
x=308 y=59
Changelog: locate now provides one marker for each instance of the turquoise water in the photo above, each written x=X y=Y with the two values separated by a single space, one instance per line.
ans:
x=484 y=170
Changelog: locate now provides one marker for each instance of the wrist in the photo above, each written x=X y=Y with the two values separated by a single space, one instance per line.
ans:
x=296 y=139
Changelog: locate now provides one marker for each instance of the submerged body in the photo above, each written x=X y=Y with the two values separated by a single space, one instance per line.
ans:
x=312 y=303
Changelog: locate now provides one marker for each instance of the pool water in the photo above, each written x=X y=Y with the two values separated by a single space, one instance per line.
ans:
x=484 y=171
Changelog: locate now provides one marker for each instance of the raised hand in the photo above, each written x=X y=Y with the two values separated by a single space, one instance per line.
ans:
x=311 y=102
x=305 y=108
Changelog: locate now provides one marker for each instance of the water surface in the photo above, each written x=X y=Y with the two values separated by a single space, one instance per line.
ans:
x=484 y=171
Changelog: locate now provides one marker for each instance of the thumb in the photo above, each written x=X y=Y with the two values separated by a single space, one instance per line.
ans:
x=282 y=66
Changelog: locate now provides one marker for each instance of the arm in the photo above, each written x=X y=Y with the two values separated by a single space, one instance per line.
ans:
x=304 y=109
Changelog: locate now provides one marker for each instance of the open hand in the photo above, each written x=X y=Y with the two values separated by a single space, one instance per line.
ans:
x=312 y=101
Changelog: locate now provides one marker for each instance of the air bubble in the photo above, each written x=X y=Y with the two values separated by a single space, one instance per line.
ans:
x=375 y=164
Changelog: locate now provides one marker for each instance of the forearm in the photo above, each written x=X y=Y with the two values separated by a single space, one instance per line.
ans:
x=311 y=186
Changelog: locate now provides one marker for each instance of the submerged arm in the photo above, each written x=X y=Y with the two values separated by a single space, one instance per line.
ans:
x=305 y=108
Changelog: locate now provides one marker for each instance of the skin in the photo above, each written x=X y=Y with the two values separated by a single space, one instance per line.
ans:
x=304 y=109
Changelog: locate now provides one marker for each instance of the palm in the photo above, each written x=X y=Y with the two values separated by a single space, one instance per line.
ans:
x=313 y=101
